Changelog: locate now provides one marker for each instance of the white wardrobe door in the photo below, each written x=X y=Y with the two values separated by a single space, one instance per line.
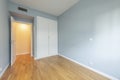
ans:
x=53 y=39
x=42 y=37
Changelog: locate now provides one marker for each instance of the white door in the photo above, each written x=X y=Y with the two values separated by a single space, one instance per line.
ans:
x=42 y=37
x=53 y=39
x=13 y=54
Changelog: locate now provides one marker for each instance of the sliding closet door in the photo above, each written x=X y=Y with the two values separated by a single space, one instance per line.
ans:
x=53 y=39
x=42 y=37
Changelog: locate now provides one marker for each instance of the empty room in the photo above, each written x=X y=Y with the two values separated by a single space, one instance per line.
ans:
x=60 y=40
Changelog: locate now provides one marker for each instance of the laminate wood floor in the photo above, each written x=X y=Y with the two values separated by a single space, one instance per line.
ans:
x=51 y=68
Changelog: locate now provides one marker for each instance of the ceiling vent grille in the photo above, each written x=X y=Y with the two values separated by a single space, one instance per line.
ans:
x=22 y=9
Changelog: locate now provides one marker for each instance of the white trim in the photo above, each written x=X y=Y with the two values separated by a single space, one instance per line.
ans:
x=101 y=73
x=13 y=61
x=36 y=58
x=23 y=53
x=4 y=71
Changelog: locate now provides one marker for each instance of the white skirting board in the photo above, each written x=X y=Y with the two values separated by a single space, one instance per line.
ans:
x=36 y=58
x=4 y=71
x=101 y=73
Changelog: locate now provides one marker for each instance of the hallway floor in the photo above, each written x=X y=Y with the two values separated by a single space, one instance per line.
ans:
x=51 y=68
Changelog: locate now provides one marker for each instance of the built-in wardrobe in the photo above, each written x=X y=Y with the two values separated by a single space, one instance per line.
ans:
x=47 y=37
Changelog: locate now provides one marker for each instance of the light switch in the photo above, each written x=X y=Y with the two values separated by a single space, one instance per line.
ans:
x=91 y=39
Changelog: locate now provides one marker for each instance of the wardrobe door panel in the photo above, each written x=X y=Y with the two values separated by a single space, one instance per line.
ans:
x=53 y=39
x=42 y=37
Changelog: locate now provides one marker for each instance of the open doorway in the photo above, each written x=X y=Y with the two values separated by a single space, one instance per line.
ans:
x=21 y=36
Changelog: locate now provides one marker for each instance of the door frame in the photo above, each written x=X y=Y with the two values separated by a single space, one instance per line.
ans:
x=11 y=41
x=32 y=37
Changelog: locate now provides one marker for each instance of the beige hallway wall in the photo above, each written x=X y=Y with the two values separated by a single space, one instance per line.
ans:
x=22 y=38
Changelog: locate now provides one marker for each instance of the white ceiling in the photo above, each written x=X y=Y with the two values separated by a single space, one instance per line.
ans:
x=54 y=7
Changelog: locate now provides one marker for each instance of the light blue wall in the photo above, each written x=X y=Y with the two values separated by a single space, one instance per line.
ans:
x=31 y=12
x=4 y=35
x=89 y=33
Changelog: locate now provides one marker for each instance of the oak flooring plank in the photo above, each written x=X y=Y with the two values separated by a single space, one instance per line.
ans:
x=51 y=68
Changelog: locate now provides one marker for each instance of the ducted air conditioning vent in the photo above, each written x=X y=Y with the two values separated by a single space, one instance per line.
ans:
x=22 y=9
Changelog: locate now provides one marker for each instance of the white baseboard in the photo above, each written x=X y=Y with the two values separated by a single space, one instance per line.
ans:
x=36 y=58
x=101 y=73
x=13 y=61
x=4 y=71
x=23 y=53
